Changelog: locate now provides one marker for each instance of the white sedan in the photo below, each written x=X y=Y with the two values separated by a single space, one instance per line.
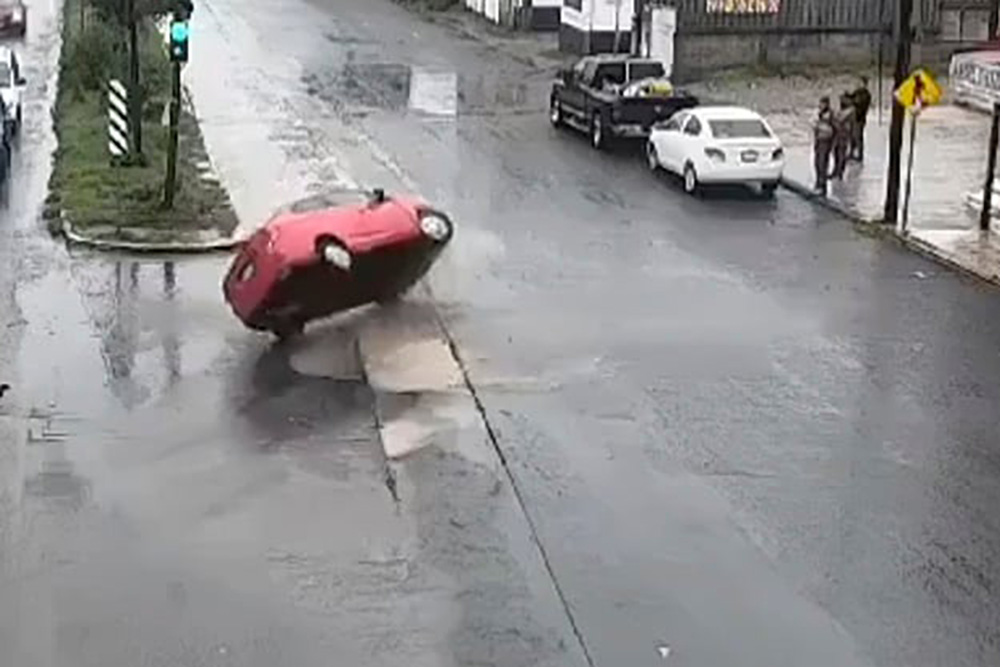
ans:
x=718 y=145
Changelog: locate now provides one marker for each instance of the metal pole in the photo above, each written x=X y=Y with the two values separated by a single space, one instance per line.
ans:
x=904 y=16
x=881 y=58
x=994 y=20
x=175 y=113
x=991 y=165
x=637 y=28
x=909 y=170
x=134 y=93
x=618 y=19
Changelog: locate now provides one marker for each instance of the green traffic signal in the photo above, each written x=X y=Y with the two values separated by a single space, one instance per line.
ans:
x=179 y=31
x=179 y=34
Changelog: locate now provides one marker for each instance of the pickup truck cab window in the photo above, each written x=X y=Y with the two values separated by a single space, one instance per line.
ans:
x=645 y=69
x=609 y=73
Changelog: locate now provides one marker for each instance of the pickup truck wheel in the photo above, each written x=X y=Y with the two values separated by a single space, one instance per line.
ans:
x=555 y=113
x=690 y=179
x=597 y=138
x=652 y=159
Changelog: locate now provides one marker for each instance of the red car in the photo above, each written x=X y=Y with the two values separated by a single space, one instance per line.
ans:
x=331 y=253
x=13 y=18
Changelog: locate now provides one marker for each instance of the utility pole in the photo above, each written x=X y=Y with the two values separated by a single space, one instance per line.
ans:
x=175 y=116
x=134 y=93
x=178 y=56
x=904 y=36
x=638 y=8
x=986 y=213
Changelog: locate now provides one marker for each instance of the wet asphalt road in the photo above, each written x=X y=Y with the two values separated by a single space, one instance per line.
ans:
x=734 y=429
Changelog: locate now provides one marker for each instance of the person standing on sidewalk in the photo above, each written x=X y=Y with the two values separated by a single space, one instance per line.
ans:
x=862 y=98
x=822 y=144
x=843 y=135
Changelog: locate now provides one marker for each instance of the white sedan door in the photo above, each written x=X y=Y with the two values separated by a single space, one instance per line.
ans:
x=667 y=138
x=690 y=142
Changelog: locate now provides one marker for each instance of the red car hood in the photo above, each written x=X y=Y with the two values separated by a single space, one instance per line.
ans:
x=360 y=228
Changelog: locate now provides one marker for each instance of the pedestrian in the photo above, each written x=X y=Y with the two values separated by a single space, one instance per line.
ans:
x=822 y=143
x=843 y=133
x=862 y=98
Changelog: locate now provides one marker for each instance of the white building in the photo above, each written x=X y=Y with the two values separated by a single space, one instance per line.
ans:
x=596 y=26
x=532 y=14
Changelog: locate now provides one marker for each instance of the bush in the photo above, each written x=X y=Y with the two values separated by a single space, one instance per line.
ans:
x=92 y=56
x=154 y=67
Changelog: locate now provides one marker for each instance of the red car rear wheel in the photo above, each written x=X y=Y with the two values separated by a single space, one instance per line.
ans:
x=288 y=330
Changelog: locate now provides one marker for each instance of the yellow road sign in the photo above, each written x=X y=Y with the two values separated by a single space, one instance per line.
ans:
x=918 y=91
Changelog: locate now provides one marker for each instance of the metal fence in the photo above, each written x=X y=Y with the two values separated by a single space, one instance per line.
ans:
x=790 y=16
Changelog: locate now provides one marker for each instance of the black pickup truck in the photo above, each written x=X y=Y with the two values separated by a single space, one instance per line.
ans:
x=614 y=96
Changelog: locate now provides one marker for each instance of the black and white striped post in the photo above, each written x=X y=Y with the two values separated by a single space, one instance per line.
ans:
x=118 y=126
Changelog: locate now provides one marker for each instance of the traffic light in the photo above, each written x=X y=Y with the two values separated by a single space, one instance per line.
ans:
x=179 y=40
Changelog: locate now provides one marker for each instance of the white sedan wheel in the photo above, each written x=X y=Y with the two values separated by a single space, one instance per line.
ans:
x=690 y=180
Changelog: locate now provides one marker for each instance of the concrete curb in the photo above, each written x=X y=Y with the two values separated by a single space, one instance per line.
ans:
x=832 y=204
x=932 y=252
x=172 y=247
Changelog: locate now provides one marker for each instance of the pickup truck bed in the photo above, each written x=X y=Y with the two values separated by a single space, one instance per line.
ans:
x=583 y=99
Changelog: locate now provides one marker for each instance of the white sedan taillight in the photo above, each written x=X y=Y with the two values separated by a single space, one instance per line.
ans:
x=715 y=154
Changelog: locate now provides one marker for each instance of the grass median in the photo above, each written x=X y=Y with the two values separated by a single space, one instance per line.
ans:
x=102 y=200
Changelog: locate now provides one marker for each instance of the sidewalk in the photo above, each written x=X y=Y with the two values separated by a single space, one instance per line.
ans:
x=949 y=165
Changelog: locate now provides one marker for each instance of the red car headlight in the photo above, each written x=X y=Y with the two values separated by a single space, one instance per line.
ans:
x=337 y=255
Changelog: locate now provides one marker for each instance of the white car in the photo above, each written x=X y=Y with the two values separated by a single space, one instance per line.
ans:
x=11 y=88
x=718 y=145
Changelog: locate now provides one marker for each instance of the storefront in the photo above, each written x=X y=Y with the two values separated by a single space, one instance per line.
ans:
x=974 y=77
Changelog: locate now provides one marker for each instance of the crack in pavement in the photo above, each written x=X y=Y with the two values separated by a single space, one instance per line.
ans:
x=494 y=439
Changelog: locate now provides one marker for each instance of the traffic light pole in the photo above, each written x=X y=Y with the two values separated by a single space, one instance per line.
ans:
x=904 y=17
x=175 y=114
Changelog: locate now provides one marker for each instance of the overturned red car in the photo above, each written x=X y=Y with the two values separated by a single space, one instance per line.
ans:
x=330 y=253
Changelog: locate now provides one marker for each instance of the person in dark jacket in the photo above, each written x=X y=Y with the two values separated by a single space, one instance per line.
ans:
x=822 y=144
x=843 y=134
x=862 y=99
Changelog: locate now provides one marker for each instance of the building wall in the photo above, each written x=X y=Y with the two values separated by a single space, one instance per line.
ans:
x=700 y=54
x=542 y=15
x=597 y=17
x=811 y=32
